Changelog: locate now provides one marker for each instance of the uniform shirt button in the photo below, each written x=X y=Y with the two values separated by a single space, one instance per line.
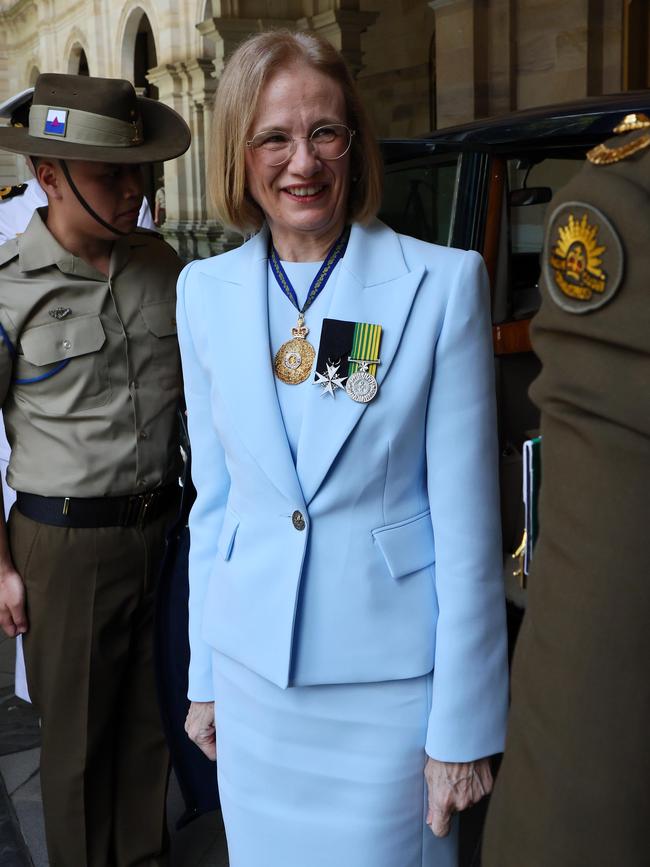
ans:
x=67 y=344
x=298 y=520
x=143 y=435
x=135 y=383
x=142 y=483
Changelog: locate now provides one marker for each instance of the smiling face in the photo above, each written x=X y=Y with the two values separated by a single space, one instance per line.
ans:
x=304 y=200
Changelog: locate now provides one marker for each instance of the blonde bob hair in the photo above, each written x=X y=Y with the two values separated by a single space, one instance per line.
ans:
x=240 y=86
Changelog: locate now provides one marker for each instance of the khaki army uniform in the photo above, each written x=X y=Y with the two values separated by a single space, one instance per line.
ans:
x=89 y=386
x=574 y=787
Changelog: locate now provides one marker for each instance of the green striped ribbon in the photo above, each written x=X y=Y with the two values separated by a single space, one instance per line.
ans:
x=365 y=346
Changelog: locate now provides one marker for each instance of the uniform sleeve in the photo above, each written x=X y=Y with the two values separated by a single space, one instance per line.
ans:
x=210 y=478
x=8 y=340
x=470 y=679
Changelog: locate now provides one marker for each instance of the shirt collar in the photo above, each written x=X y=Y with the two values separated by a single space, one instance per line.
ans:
x=38 y=248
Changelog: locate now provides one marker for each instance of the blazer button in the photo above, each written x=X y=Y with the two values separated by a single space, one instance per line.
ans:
x=298 y=520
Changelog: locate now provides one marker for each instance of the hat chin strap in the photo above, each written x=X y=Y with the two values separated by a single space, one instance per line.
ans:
x=84 y=203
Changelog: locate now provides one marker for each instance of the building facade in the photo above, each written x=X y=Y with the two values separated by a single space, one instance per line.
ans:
x=420 y=65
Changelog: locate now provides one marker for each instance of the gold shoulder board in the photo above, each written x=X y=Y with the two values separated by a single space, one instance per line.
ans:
x=605 y=155
x=7 y=193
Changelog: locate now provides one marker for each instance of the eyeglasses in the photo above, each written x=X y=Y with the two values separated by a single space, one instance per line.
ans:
x=329 y=142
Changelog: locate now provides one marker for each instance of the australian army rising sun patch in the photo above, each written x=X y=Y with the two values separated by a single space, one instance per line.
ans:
x=583 y=258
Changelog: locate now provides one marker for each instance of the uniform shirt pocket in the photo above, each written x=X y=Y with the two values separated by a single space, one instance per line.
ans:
x=407 y=546
x=160 y=319
x=60 y=366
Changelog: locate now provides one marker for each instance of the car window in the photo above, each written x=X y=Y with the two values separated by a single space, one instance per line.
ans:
x=527 y=224
x=419 y=198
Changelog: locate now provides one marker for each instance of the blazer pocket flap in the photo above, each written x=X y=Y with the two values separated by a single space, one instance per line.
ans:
x=227 y=534
x=407 y=546
x=47 y=344
x=160 y=317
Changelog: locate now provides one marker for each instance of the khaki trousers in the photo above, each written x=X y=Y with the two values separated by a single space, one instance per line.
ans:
x=89 y=658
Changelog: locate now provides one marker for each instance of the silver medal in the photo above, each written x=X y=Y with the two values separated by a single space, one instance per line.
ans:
x=362 y=385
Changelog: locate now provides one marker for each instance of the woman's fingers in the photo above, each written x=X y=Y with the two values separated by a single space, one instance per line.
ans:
x=439 y=821
x=200 y=727
x=452 y=787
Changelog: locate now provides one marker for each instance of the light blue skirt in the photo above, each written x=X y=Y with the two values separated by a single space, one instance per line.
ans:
x=324 y=776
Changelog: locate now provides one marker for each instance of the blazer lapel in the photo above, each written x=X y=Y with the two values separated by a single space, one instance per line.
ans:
x=375 y=286
x=248 y=387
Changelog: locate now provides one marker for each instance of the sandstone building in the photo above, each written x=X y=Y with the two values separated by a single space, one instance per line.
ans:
x=420 y=64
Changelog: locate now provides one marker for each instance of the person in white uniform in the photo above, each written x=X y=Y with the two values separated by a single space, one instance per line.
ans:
x=17 y=205
x=347 y=618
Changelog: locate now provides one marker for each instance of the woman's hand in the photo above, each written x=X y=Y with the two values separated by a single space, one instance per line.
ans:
x=199 y=726
x=454 y=786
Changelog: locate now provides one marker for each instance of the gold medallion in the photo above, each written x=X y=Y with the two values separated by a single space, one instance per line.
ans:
x=294 y=359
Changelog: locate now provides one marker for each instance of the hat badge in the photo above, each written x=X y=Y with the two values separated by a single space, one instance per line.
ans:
x=56 y=121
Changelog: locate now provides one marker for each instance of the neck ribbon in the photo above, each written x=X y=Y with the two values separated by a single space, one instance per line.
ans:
x=337 y=251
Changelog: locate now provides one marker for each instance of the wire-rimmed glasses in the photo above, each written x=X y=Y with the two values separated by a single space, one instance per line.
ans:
x=329 y=142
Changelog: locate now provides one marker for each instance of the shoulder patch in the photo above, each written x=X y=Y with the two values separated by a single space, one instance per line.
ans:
x=8 y=251
x=7 y=193
x=583 y=258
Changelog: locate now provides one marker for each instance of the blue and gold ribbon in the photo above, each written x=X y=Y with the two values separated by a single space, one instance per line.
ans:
x=319 y=282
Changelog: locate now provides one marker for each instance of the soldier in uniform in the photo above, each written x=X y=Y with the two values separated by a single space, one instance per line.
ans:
x=89 y=384
x=17 y=205
x=573 y=790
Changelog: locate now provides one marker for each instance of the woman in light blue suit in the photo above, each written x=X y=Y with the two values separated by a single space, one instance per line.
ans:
x=346 y=607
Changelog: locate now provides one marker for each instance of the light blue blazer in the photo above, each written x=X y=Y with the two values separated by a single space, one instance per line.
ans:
x=399 y=568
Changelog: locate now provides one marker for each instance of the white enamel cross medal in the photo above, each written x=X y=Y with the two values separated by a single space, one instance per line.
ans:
x=330 y=380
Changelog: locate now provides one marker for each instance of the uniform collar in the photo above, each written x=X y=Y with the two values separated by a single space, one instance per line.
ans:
x=38 y=248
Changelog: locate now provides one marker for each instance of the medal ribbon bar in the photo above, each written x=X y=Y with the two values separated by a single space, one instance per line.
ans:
x=365 y=347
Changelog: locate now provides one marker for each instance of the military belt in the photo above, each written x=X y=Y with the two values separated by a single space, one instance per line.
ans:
x=134 y=510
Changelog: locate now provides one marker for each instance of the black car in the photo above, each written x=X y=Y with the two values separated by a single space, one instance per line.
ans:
x=485 y=186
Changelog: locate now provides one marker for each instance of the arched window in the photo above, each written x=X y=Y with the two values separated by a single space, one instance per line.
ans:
x=78 y=62
x=636 y=55
x=138 y=57
x=144 y=58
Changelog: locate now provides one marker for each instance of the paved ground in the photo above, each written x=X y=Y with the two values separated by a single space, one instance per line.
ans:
x=22 y=837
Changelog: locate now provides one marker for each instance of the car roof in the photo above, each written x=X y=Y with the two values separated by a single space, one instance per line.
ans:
x=563 y=127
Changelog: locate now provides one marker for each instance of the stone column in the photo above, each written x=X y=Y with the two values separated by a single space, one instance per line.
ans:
x=203 y=236
x=343 y=28
x=170 y=79
x=227 y=33
x=455 y=60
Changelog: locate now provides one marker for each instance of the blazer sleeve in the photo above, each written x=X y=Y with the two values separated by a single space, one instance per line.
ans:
x=209 y=474
x=470 y=679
